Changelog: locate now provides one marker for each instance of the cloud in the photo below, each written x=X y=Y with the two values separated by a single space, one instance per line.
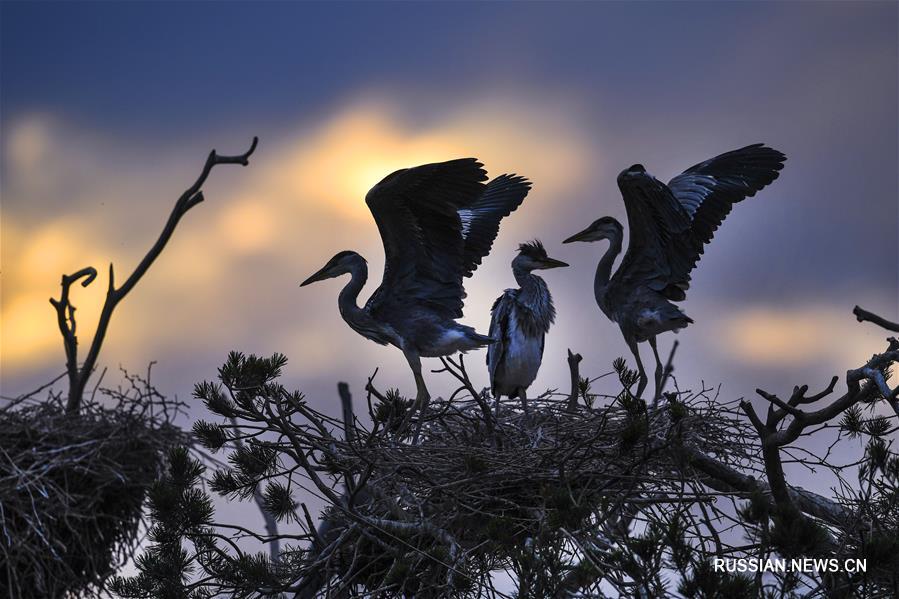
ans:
x=33 y=261
x=786 y=337
x=229 y=277
x=29 y=144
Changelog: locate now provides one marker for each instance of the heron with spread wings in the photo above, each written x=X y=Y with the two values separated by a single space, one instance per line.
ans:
x=437 y=222
x=669 y=226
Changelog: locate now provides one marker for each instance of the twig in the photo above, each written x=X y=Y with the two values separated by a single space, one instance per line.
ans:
x=459 y=373
x=669 y=367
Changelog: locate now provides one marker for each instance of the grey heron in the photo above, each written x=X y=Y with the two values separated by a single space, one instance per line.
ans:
x=520 y=320
x=437 y=222
x=668 y=226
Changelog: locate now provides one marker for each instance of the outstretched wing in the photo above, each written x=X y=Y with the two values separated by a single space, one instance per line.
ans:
x=674 y=222
x=480 y=220
x=500 y=314
x=708 y=190
x=659 y=245
x=417 y=213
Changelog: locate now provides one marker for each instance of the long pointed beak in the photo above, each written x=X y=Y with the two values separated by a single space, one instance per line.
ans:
x=552 y=263
x=321 y=275
x=582 y=236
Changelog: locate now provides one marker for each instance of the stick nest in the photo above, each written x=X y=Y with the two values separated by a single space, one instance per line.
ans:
x=471 y=498
x=72 y=486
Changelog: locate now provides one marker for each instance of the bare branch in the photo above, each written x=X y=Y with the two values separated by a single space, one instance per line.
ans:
x=65 y=311
x=65 y=316
x=669 y=367
x=863 y=315
x=574 y=361
x=724 y=478
x=346 y=404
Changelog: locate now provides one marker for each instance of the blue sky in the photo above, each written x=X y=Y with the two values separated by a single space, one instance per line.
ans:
x=108 y=109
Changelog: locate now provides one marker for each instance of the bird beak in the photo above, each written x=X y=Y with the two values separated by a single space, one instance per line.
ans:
x=319 y=276
x=582 y=236
x=552 y=263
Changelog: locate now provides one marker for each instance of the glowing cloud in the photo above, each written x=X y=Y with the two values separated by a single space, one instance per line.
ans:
x=794 y=336
x=228 y=278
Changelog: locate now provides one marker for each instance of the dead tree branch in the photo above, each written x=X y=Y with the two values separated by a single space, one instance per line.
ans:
x=574 y=367
x=65 y=310
x=773 y=436
x=863 y=315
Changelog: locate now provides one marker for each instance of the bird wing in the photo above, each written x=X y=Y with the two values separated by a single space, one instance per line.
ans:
x=705 y=194
x=416 y=210
x=542 y=347
x=480 y=220
x=658 y=248
x=499 y=326
x=708 y=190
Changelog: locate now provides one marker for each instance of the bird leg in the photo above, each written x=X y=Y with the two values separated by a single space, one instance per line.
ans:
x=422 y=397
x=523 y=395
x=659 y=370
x=632 y=345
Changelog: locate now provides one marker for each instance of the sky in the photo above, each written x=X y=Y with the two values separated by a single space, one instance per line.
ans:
x=107 y=111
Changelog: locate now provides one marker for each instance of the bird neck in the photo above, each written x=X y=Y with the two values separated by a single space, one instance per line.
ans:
x=346 y=301
x=534 y=295
x=526 y=279
x=604 y=268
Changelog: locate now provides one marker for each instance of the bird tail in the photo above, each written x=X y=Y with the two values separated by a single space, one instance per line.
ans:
x=477 y=340
x=682 y=321
x=483 y=340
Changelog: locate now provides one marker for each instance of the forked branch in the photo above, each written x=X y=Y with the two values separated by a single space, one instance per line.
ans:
x=65 y=310
x=774 y=436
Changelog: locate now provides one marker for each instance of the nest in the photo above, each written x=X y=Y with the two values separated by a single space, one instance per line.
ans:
x=72 y=487
x=489 y=489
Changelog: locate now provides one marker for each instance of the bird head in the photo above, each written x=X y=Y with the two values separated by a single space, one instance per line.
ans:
x=635 y=179
x=604 y=228
x=635 y=171
x=532 y=256
x=341 y=263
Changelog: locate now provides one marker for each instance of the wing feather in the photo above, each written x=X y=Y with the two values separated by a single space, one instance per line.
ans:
x=670 y=225
x=499 y=322
x=659 y=246
x=480 y=220
x=708 y=190
x=416 y=210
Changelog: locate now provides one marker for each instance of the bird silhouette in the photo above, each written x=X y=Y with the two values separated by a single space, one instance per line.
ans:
x=437 y=222
x=668 y=226
x=520 y=320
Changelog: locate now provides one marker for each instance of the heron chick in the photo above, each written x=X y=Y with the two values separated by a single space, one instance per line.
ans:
x=437 y=222
x=669 y=225
x=520 y=320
